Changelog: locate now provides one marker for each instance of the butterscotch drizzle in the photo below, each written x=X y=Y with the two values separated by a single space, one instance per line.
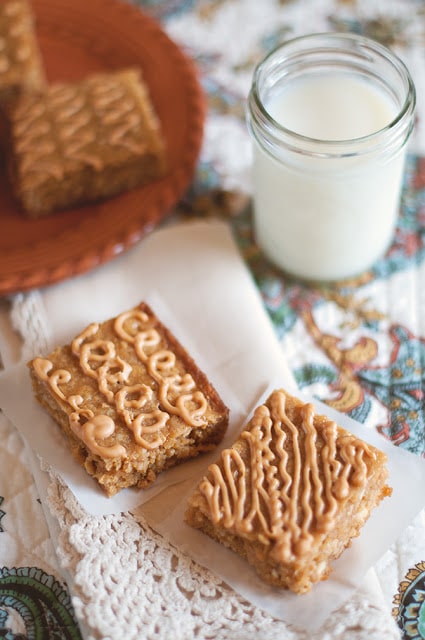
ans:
x=95 y=429
x=140 y=397
x=177 y=393
x=61 y=128
x=16 y=24
x=287 y=487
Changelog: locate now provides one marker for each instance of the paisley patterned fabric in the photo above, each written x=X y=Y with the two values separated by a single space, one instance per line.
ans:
x=42 y=604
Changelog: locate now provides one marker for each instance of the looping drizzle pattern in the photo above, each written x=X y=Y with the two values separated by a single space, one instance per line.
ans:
x=145 y=417
x=60 y=128
x=16 y=24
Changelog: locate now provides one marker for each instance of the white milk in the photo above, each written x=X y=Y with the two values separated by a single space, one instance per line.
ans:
x=327 y=218
x=335 y=106
x=330 y=115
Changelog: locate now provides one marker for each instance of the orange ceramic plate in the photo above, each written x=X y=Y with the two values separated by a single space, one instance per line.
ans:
x=78 y=37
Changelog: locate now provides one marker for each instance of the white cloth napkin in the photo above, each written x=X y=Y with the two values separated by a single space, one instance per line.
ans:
x=195 y=279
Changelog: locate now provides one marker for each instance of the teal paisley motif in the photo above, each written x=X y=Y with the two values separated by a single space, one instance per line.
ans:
x=399 y=386
x=409 y=610
x=42 y=603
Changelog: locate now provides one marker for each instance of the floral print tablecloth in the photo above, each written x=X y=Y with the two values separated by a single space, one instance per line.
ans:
x=358 y=346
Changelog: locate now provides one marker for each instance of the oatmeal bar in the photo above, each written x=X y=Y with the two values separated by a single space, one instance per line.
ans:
x=130 y=400
x=81 y=142
x=21 y=66
x=290 y=493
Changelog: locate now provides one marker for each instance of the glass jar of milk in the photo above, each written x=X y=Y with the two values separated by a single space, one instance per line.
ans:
x=330 y=115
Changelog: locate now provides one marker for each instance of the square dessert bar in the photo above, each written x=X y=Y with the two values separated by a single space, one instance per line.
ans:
x=81 y=142
x=21 y=66
x=130 y=400
x=290 y=493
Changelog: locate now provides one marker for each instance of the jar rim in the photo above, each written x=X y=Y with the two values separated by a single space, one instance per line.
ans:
x=330 y=147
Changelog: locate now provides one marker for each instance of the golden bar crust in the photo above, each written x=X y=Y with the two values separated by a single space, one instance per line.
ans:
x=291 y=492
x=130 y=400
x=82 y=142
x=21 y=66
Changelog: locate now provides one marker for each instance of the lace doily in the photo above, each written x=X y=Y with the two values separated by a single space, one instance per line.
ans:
x=128 y=582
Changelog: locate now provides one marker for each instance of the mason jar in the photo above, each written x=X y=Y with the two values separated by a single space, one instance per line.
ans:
x=330 y=116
